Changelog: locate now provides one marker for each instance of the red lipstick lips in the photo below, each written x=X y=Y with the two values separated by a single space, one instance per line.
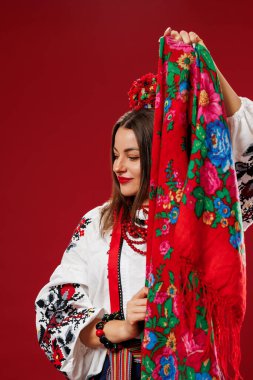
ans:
x=124 y=179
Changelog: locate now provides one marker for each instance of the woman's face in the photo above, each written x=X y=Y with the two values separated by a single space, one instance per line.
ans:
x=127 y=165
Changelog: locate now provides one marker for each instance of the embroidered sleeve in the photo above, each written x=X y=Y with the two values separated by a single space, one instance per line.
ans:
x=241 y=128
x=63 y=309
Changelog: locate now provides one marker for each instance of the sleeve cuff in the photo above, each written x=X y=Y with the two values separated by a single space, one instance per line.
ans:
x=76 y=367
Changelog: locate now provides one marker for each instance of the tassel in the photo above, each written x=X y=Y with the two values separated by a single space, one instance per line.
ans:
x=227 y=338
x=221 y=319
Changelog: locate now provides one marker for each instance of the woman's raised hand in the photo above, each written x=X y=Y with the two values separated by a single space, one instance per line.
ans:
x=188 y=38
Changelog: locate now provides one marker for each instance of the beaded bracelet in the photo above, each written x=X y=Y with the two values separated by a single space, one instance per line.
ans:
x=100 y=331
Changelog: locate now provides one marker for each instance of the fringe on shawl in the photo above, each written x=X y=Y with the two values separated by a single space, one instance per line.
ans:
x=220 y=317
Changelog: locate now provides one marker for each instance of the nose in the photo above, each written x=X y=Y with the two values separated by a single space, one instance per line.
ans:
x=119 y=165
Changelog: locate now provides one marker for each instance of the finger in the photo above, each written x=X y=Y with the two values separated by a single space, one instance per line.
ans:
x=138 y=309
x=176 y=35
x=185 y=37
x=167 y=31
x=142 y=293
x=140 y=302
x=195 y=39
x=136 y=318
x=201 y=42
x=131 y=312
x=134 y=305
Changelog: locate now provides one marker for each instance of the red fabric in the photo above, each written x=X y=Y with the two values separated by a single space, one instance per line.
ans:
x=113 y=275
x=195 y=257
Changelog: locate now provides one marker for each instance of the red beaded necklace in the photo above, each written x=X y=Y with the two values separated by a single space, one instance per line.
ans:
x=135 y=232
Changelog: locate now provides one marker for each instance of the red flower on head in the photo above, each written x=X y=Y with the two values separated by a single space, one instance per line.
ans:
x=142 y=93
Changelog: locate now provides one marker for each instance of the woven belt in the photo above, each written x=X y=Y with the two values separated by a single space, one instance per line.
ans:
x=121 y=361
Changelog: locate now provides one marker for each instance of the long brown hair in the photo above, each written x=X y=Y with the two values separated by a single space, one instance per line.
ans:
x=141 y=122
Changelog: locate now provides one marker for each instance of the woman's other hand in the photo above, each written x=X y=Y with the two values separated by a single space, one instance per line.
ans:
x=118 y=331
x=188 y=38
x=136 y=307
x=136 y=312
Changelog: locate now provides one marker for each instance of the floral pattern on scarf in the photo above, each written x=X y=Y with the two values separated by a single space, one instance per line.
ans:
x=195 y=226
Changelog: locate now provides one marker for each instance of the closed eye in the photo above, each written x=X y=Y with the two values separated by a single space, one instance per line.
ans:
x=130 y=158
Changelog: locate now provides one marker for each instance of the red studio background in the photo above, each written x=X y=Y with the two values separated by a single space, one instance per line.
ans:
x=66 y=67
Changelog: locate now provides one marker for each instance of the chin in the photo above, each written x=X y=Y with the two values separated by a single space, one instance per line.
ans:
x=129 y=190
x=128 y=193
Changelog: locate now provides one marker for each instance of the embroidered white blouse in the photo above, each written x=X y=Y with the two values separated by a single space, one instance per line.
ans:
x=78 y=288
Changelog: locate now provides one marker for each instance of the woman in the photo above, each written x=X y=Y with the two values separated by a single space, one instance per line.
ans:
x=70 y=307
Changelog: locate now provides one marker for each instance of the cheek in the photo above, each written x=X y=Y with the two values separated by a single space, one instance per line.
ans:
x=137 y=171
x=114 y=166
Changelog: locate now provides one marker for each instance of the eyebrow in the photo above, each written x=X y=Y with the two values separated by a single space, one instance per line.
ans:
x=126 y=150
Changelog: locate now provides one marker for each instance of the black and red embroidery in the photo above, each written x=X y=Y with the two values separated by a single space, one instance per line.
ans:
x=78 y=232
x=244 y=172
x=60 y=315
